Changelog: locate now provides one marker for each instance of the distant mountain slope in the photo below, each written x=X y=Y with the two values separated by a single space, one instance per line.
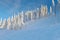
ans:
x=45 y=22
x=47 y=28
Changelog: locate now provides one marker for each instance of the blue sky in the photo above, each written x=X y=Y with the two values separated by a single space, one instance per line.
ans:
x=9 y=7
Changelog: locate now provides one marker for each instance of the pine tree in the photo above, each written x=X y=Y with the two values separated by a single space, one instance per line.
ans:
x=4 y=24
x=9 y=23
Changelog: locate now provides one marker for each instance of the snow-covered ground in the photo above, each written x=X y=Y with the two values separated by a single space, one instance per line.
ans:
x=47 y=28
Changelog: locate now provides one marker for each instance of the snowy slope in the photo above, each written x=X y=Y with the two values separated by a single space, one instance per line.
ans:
x=47 y=28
